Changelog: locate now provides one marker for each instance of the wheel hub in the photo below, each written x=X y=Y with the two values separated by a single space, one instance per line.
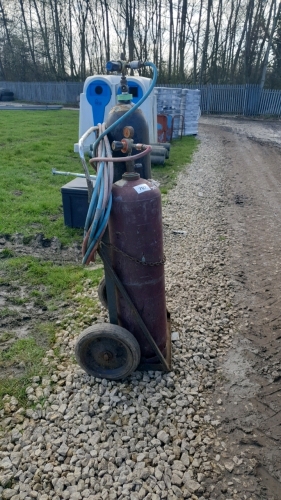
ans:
x=107 y=356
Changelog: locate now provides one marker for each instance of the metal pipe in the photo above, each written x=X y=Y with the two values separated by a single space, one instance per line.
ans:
x=123 y=158
x=157 y=160
x=158 y=151
x=59 y=172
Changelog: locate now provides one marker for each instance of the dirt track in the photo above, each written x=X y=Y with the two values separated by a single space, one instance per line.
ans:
x=250 y=387
x=238 y=171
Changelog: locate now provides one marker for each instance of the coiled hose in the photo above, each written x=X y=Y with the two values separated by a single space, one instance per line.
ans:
x=101 y=198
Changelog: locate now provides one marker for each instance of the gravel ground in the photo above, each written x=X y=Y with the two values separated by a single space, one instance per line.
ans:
x=153 y=435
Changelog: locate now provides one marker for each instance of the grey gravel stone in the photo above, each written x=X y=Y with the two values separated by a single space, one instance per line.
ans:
x=163 y=437
x=101 y=439
x=229 y=465
x=192 y=486
x=175 y=336
x=185 y=459
x=8 y=493
x=63 y=449
x=6 y=464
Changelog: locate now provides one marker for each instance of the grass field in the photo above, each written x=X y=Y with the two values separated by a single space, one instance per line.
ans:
x=31 y=144
x=34 y=142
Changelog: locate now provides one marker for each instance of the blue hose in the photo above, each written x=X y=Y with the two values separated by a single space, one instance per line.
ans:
x=99 y=230
x=97 y=218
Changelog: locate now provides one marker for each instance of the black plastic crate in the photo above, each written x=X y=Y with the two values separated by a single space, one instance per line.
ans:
x=75 y=202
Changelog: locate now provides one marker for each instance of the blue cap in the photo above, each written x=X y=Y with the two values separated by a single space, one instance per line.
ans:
x=109 y=66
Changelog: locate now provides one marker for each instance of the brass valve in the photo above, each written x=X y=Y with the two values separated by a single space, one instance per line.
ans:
x=127 y=145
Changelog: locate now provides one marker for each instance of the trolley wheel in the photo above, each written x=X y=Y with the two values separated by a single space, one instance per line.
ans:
x=102 y=293
x=107 y=351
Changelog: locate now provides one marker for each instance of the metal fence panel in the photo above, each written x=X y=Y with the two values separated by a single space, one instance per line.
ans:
x=237 y=99
x=270 y=102
x=46 y=92
x=248 y=100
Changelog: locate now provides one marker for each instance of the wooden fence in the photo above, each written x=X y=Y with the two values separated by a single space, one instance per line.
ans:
x=248 y=100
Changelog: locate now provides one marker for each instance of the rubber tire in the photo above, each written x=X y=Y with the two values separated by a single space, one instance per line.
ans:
x=102 y=293
x=6 y=98
x=107 y=331
x=6 y=93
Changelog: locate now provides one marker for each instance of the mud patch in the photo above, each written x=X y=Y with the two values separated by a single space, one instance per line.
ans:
x=27 y=311
x=237 y=369
x=41 y=247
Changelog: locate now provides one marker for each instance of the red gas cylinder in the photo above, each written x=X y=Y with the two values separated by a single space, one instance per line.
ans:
x=135 y=228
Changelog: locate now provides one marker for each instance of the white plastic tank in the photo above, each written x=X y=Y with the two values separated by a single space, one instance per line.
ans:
x=100 y=95
x=96 y=100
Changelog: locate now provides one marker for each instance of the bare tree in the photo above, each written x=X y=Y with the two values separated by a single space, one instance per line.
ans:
x=195 y=41
x=273 y=28
x=203 y=69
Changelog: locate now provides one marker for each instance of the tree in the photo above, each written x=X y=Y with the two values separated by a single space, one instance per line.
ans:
x=198 y=41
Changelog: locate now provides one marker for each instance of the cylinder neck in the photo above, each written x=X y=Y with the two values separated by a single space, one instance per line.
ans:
x=130 y=176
